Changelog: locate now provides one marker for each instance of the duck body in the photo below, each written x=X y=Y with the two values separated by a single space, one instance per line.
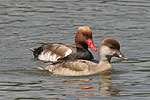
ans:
x=59 y=51
x=76 y=68
x=108 y=48
x=64 y=51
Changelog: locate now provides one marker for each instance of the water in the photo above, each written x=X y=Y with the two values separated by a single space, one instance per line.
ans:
x=26 y=23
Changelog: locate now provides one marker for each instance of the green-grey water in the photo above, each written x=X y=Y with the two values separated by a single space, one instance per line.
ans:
x=26 y=23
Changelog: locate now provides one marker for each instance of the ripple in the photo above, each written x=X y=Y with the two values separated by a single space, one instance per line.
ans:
x=26 y=23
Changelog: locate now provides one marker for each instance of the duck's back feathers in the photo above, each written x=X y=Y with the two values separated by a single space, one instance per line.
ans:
x=60 y=52
x=53 y=51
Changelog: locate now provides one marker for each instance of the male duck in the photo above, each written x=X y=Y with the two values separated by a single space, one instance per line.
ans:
x=64 y=51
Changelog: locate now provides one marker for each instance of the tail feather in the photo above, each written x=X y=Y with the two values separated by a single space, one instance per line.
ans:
x=32 y=49
x=36 y=51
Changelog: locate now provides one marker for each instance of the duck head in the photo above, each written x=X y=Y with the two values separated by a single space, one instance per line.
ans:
x=110 y=48
x=83 y=38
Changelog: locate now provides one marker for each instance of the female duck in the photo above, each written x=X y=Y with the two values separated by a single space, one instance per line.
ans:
x=63 y=51
x=108 y=48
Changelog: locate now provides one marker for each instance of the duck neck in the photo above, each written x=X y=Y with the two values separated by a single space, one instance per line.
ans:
x=104 y=64
x=103 y=55
x=82 y=45
x=104 y=59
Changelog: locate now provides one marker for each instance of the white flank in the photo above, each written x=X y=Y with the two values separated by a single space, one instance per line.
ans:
x=69 y=51
x=51 y=58
x=48 y=56
x=54 y=57
x=45 y=56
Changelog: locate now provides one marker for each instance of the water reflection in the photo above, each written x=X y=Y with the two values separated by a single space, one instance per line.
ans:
x=106 y=88
x=88 y=86
x=25 y=23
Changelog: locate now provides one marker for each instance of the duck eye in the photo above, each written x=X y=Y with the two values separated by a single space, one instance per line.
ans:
x=112 y=47
x=84 y=33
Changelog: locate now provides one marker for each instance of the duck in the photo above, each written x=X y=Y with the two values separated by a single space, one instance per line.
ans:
x=54 y=52
x=108 y=48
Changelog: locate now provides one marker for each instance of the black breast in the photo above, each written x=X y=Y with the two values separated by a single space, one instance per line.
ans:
x=81 y=54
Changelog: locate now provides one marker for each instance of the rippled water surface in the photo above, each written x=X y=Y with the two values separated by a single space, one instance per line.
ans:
x=26 y=23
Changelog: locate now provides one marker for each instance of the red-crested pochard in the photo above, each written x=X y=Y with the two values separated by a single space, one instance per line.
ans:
x=63 y=51
x=108 y=48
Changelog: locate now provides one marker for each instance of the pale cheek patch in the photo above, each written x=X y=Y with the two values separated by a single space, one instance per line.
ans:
x=105 y=50
x=69 y=51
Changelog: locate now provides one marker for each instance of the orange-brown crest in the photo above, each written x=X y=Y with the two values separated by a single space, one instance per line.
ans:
x=83 y=33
